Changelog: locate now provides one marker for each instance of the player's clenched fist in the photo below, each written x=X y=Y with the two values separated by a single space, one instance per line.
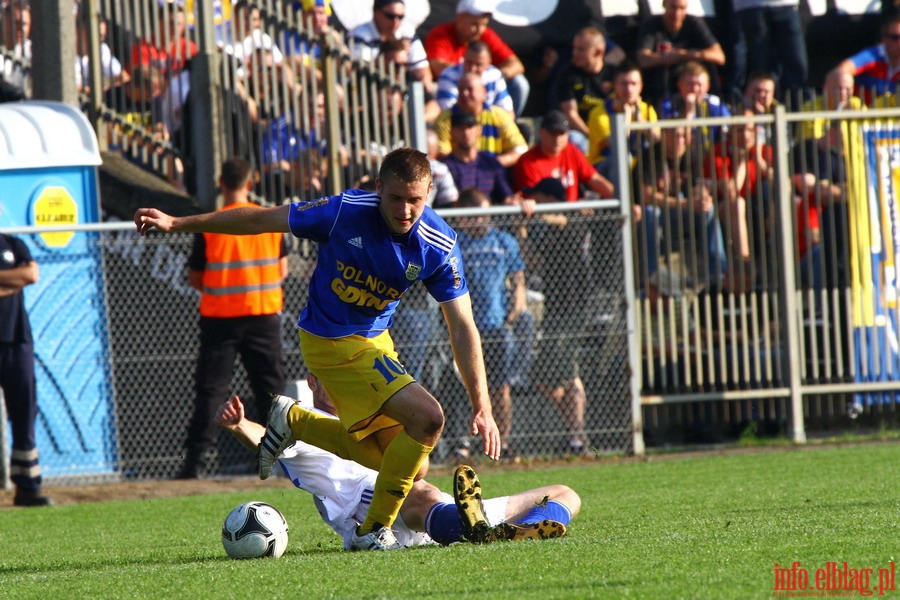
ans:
x=147 y=218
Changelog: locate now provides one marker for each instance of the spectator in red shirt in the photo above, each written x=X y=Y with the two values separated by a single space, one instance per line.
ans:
x=168 y=49
x=446 y=44
x=554 y=156
x=740 y=170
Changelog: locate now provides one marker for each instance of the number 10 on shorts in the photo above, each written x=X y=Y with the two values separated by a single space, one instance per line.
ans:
x=389 y=367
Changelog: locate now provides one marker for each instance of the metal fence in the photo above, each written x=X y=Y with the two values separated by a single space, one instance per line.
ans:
x=790 y=327
x=177 y=89
x=765 y=273
x=290 y=96
x=691 y=361
x=152 y=323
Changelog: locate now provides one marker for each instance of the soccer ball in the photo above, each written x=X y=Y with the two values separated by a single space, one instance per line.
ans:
x=254 y=530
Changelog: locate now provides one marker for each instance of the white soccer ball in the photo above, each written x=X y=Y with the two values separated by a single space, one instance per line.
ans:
x=254 y=530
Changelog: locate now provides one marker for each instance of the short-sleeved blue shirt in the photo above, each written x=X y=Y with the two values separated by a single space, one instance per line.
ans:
x=363 y=269
x=491 y=259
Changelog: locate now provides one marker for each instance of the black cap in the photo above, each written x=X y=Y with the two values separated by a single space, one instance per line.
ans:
x=550 y=186
x=379 y=4
x=463 y=118
x=555 y=120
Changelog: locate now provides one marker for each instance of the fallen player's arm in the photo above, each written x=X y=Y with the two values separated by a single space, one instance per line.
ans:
x=230 y=416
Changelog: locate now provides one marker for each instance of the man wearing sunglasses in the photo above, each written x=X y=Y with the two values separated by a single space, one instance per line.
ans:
x=877 y=68
x=388 y=23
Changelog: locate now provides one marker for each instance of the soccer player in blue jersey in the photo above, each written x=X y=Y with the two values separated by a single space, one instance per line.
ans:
x=371 y=249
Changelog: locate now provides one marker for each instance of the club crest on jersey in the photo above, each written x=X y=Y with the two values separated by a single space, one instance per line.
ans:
x=412 y=271
x=301 y=206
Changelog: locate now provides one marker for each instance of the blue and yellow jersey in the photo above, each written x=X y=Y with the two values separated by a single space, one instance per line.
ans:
x=363 y=269
x=499 y=132
x=817 y=128
x=600 y=129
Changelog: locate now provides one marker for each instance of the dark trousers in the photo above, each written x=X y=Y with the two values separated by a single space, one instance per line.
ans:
x=20 y=396
x=257 y=340
x=775 y=43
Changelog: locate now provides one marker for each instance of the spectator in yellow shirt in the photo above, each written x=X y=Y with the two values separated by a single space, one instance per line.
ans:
x=499 y=133
x=626 y=98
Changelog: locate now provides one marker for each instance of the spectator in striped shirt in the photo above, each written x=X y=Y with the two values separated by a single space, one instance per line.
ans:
x=446 y=44
x=477 y=60
x=499 y=133
x=876 y=69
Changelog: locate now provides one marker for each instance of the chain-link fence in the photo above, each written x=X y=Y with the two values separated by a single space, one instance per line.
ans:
x=154 y=339
x=127 y=415
x=567 y=352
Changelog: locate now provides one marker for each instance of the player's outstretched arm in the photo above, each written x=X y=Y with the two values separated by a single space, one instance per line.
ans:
x=237 y=221
x=466 y=344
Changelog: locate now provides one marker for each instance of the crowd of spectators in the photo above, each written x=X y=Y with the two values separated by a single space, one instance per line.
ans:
x=674 y=67
x=702 y=192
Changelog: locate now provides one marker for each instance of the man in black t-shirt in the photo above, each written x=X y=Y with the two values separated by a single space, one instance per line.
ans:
x=667 y=41
x=586 y=81
x=557 y=252
x=17 y=379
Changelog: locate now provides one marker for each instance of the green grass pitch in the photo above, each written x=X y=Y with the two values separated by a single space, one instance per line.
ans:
x=708 y=526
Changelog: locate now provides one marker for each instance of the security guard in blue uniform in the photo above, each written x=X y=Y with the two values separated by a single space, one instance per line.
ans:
x=18 y=269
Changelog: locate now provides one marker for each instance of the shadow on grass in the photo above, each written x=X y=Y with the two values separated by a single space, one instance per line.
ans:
x=150 y=560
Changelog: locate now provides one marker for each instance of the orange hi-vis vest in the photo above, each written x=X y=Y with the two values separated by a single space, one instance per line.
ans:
x=242 y=276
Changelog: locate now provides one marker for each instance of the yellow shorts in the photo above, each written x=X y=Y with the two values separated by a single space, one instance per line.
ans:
x=359 y=374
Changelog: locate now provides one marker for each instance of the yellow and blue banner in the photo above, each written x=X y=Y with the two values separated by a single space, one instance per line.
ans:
x=874 y=195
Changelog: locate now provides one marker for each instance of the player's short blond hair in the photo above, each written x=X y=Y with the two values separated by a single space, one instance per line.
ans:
x=406 y=165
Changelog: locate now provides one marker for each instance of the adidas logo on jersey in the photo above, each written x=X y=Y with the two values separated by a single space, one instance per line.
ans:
x=357 y=241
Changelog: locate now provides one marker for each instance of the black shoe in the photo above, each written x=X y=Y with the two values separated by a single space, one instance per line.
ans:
x=197 y=464
x=189 y=470
x=31 y=498
x=543 y=530
x=467 y=493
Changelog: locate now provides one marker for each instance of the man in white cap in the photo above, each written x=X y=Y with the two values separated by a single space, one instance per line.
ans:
x=446 y=44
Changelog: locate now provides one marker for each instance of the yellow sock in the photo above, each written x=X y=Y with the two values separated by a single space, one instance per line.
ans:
x=329 y=434
x=403 y=458
x=314 y=428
